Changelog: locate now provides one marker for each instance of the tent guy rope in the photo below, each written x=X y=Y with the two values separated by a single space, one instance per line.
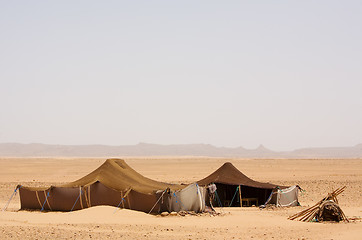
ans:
x=11 y=197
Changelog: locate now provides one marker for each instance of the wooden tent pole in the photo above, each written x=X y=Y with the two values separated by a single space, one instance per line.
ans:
x=241 y=200
x=125 y=195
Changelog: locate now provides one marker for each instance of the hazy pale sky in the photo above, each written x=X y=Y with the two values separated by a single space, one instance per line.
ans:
x=285 y=74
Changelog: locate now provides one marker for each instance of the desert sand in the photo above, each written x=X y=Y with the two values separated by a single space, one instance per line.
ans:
x=317 y=177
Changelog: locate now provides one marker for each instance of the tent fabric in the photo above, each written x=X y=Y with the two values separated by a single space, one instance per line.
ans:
x=227 y=180
x=191 y=198
x=118 y=175
x=113 y=183
x=287 y=197
x=228 y=174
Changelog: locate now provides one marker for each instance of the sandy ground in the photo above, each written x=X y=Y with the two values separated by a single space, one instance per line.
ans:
x=317 y=177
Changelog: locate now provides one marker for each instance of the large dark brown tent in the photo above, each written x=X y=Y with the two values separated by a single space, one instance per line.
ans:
x=113 y=183
x=232 y=185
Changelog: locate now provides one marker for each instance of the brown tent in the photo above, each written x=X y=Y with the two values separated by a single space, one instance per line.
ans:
x=113 y=183
x=232 y=185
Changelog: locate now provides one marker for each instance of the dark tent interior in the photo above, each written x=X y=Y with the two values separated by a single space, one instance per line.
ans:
x=229 y=196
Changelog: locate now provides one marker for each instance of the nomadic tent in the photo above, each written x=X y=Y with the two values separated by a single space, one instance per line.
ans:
x=114 y=183
x=286 y=197
x=236 y=189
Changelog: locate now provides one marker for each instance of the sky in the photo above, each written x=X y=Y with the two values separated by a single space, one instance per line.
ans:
x=285 y=74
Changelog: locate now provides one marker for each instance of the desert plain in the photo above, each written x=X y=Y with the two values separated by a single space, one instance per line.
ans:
x=316 y=176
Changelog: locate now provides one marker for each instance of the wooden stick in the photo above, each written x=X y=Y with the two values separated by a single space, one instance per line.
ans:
x=335 y=200
x=312 y=213
x=344 y=216
x=339 y=191
x=308 y=213
x=303 y=212
x=241 y=200
x=310 y=218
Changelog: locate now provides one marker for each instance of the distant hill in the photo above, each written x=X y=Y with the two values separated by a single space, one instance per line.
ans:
x=145 y=149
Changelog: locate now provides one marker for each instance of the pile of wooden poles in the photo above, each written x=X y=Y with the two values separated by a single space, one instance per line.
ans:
x=311 y=213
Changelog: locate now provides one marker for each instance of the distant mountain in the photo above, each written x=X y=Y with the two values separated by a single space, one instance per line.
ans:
x=331 y=152
x=146 y=149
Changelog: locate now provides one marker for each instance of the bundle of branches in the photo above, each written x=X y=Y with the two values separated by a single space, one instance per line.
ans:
x=326 y=209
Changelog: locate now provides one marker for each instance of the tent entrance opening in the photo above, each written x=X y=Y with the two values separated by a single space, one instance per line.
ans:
x=229 y=196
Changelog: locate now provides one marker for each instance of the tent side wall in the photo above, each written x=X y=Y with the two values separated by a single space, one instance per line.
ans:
x=284 y=197
x=76 y=198
x=143 y=202
x=288 y=197
x=29 y=198
x=191 y=198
